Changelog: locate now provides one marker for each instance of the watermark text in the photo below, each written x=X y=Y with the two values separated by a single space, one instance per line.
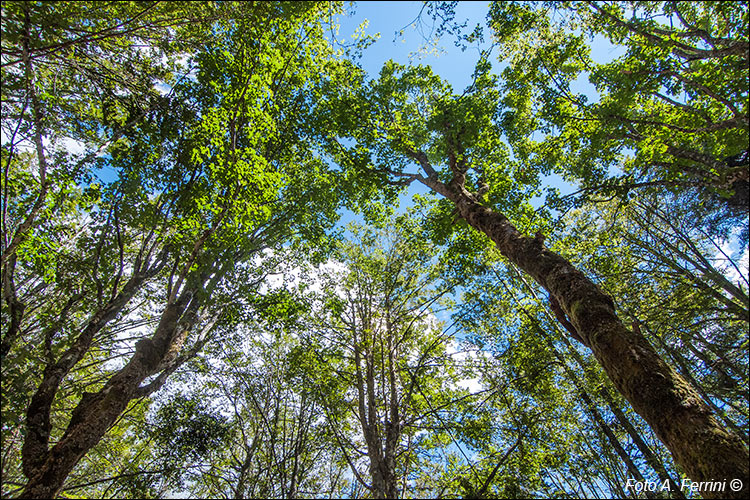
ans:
x=685 y=485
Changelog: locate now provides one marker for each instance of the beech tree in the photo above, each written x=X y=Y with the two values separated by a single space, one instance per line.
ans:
x=671 y=113
x=202 y=174
x=679 y=283
x=413 y=118
x=272 y=443
x=380 y=368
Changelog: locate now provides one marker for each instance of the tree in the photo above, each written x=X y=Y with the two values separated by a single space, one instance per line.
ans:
x=379 y=355
x=78 y=74
x=674 y=281
x=412 y=117
x=535 y=362
x=276 y=444
x=208 y=176
x=220 y=139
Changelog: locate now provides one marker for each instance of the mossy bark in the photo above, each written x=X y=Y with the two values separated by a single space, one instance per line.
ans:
x=673 y=409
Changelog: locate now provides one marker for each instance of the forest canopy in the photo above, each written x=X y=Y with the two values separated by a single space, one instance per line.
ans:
x=544 y=294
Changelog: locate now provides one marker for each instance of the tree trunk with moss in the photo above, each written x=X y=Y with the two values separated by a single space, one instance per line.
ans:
x=673 y=409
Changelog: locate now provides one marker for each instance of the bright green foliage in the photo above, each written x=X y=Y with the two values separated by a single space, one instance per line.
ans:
x=205 y=178
x=547 y=399
x=670 y=112
x=408 y=111
x=83 y=72
x=218 y=142
x=378 y=360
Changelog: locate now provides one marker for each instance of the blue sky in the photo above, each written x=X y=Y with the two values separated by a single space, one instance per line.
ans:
x=412 y=46
x=405 y=37
x=387 y=18
x=450 y=62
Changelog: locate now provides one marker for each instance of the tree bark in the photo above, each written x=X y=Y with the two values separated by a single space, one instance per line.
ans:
x=684 y=370
x=38 y=426
x=672 y=408
x=96 y=412
x=624 y=421
x=16 y=308
x=593 y=410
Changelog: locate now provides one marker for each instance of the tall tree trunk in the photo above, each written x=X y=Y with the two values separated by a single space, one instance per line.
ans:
x=685 y=372
x=15 y=307
x=393 y=424
x=593 y=410
x=604 y=426
x=673 y=409
x=623 y=420
x=38 y=425
x=96 y=412
x=378 y=469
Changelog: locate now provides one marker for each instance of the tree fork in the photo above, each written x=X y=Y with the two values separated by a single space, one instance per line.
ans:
x=96 y=412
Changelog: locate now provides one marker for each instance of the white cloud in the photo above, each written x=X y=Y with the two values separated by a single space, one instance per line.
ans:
x=737 y=273
x=466 y=358
x=72 y=146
